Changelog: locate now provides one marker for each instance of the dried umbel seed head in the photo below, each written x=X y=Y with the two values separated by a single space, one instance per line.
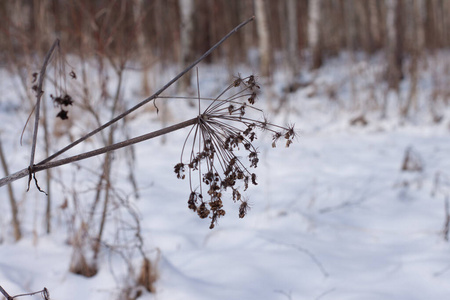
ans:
x=252 y=98
x=215 y=205
x=179 y=170
x=192 y=201
x=202 y=211
x=73 y=75
x=223 y=129
x=62 y=114
x=62 y=101
x=65 y=100
x=243 y=209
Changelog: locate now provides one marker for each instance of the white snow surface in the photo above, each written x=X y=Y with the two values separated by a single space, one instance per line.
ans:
x=333 y=216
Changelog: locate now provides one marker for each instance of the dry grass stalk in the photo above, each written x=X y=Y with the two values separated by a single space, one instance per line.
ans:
x=148 y=275
x=412 y=162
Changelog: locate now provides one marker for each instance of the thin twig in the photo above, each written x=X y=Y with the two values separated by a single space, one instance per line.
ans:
x=12 y=199
x=447 y=219
x=39 y=93
x=153 y=97
x=44 y=293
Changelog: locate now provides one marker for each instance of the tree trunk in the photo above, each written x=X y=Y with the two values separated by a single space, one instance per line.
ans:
x=262 y=27
x=292 y=41
x=365 y=33
x=375 y=29
x=394 y=45
x=394 y=50
x=314 y=32
x=350 y=24
x=418 y=39
x=144 y=55
x=186 y=40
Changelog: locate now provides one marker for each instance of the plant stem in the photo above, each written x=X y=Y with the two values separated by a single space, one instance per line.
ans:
x=39 y=93
x=12 y=199
x=68 y=160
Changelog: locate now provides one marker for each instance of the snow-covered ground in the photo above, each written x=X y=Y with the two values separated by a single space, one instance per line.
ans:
x=333 y=216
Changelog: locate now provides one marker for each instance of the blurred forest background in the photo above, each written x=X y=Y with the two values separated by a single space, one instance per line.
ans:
x=179 y=30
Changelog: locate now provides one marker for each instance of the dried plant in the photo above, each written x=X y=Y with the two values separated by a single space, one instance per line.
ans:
x=412 y=162
x=44 y=293
x=221 y=130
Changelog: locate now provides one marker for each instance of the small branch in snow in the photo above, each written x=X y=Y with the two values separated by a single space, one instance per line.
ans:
x=447 y=219
x=306 y=251
x=44 y=293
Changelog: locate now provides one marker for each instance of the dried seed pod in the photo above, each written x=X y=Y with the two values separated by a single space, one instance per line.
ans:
x=179 y=170
x=243 y=209
x=202 y=211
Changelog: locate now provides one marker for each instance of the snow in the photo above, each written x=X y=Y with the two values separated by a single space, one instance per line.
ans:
x=333 y=216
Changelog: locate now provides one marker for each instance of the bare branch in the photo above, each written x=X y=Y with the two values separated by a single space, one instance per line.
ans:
x=44 y=293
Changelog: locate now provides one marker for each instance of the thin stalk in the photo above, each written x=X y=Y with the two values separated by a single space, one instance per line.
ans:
x=39 y=93
x=107 y=165
x=44 y=166
x=48 y=210
x=12 y=199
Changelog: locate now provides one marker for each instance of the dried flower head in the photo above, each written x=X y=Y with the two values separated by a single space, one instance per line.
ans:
x=243 y=208
x=223 y=129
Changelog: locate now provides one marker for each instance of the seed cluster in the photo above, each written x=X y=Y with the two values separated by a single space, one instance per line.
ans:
x=60 y=102
x=222 y=130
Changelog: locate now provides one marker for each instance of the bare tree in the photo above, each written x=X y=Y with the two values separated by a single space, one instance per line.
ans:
x=417 y=44
x=314 y=36
x=263 y=37
x=375 y=23
x=394 y=49
x=187 y=39
x=365 y=34
x=139 y=12
x=293 y=48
